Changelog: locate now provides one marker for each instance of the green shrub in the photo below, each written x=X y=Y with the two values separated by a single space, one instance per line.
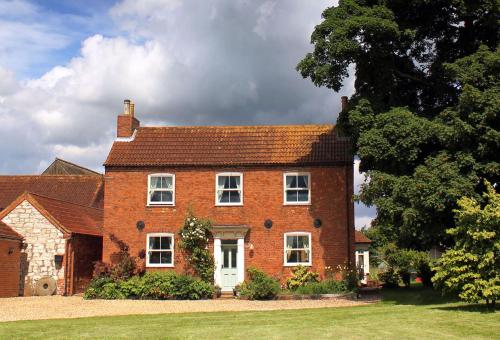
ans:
x=111 y=291
x=423 y=265
x=94 y=290
x=133 y=287
x=389 y=277
x=155 y=285
x=301 y=276
x=260 y=286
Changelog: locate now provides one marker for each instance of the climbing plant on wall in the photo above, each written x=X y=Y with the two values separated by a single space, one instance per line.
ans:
x=194 y=236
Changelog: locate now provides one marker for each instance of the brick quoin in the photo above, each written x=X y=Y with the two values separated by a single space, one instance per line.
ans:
x=125 y=203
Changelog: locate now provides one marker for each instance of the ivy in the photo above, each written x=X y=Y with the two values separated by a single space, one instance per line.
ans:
x=194 y=236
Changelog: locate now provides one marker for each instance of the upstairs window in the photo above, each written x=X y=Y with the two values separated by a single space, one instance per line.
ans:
x=297 y=249
x=160 y=250
x=229 y=189
x=161 y=189
x=297 y=188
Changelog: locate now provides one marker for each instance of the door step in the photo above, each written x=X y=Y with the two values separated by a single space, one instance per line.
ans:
x=226 y=295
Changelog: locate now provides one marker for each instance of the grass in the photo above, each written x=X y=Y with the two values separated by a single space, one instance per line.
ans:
x=414 y=313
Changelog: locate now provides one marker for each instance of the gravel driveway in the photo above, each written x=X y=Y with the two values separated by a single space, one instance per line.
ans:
x=55 y=307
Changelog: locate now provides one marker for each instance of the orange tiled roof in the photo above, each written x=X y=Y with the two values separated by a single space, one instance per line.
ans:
x=7 y=232
x=84 y=190
x=359 y=237
x=232 y=145
x=74 y=218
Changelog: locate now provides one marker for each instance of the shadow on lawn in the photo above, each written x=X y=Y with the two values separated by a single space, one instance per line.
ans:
x=418 y=295
x=415 y=295
x=476 y=308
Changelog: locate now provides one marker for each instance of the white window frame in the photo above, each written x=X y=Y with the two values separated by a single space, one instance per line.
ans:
x=149 y=190
x=308 y=174
x=240 y=174
x=160 y=265
x=295 y=264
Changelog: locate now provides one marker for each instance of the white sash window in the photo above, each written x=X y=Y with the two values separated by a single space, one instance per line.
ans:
x=161 y=189
x=297 y=249
x=229 y=189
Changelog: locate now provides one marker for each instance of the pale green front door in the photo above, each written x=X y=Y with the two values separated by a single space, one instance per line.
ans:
x=229 y=269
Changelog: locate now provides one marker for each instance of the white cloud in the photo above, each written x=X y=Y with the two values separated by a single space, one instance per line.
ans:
x=182 y=62
x=363 y=222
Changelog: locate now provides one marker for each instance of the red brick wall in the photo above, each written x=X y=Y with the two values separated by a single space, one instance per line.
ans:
x=331 y=196
x=9 y=267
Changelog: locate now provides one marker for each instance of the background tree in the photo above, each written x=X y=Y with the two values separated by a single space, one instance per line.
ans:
x=472 y=267
x=424 y=116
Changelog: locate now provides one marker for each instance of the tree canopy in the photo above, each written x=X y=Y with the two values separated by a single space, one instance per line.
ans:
x=424 y=117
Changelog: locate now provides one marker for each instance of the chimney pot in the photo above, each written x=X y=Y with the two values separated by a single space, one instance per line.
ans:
x=127 y=123
x=126 y=107
x=344 y=102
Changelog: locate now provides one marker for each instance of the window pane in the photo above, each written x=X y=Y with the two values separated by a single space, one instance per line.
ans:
x=232 y=182
x=166 y=182
x=223 y=182
x=302 y=181
x=292 y=256
x=166 y=242
x=302 y=241
x=154 y=242
x=291 y=195
x=291 y=181
x=234 y=196
x=225 y=255
x=155 y=196
x=167 y=196
x=154 y=257
x=155 y=182
x=303 y=195
x=223 y=196
x=302 y=256
x=166 y=257
x=291 y=241
x=233 y=257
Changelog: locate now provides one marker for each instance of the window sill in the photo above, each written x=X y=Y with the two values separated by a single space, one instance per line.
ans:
x=297 y=264
x=160 y=266
x=229 y=205
x=297 y=203
x=166 y=205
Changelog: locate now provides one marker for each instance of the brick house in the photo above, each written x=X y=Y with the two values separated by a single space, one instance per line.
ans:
x=278 y=196
x=59 y=218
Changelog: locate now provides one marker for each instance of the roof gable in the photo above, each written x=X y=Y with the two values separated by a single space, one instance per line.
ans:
x=359 y=237
x=78 y=189
x=8 y=232
x=67 y=217
x=62 y=167
x=232 y=145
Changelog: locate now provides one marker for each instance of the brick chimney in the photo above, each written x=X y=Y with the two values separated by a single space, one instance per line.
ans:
x=127 y=123
x=345 y=103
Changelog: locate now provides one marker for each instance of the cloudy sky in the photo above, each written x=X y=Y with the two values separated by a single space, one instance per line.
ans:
x=66 y=66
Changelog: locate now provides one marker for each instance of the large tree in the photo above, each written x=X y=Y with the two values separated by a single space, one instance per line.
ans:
x=424 y=117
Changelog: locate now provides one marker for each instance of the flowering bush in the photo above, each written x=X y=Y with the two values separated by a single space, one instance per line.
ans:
x=194 y=241
x=301 y=276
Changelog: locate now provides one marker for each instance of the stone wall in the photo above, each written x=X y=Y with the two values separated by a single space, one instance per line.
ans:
x=42 y=241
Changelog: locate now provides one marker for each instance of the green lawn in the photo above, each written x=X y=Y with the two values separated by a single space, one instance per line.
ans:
x=411 y=314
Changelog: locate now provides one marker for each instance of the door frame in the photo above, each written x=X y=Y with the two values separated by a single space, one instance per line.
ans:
x=229 y=233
